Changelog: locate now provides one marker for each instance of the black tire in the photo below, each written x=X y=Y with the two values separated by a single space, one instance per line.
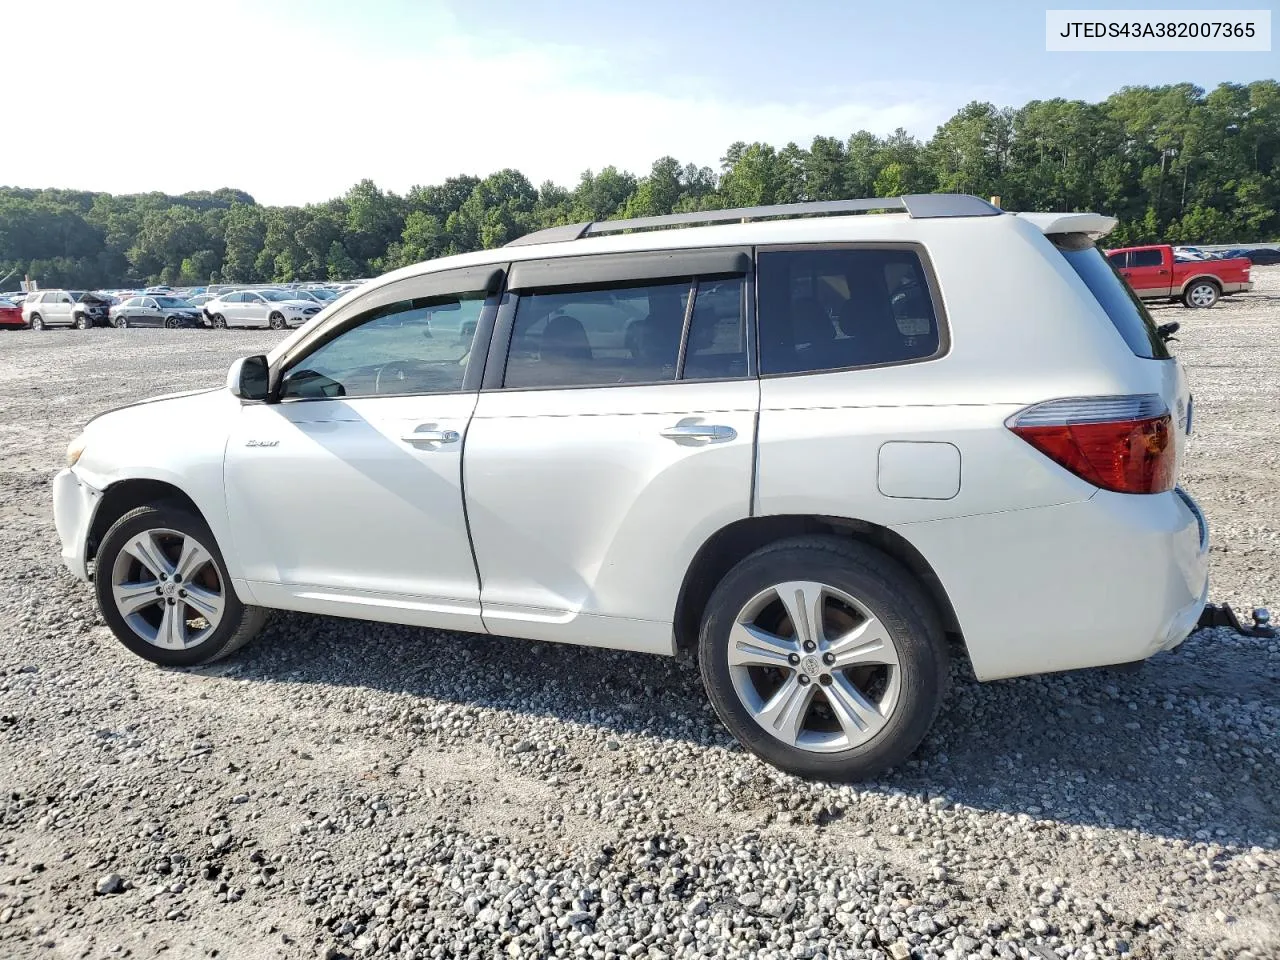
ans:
x=1205 y=291
x=219 y=321
x=171 y=323
x=81 y=322
x=890 y=593
x=276 y=320
x=239 y=623
x=37 y=322
x=122 y=322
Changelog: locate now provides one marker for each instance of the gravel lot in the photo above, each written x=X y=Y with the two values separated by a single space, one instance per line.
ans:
x=346 y=789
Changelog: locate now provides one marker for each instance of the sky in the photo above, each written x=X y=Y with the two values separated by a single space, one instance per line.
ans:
x=296 y=100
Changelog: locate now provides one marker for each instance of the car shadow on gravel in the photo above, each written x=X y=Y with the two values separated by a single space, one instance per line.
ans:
x=1184 y=748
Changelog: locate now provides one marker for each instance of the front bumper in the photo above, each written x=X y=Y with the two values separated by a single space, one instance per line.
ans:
x=74 y=504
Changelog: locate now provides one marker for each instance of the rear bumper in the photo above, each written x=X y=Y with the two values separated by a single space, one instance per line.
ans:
x=74 y=504
x=1113 y=579
x=1243 y=287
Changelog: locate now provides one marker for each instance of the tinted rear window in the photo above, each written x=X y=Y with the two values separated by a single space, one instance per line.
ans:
x=1121 y=304
x=838 y=307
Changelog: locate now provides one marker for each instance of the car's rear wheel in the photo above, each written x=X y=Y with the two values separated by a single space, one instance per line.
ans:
x=823 y=657
x=37 y=322
x=82 y=322
x=277 y=321
x=1202 y=294
x=122 y=321
x=219 y=321
x=164 y=590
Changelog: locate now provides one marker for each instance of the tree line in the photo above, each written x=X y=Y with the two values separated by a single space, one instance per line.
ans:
x=1174 y=163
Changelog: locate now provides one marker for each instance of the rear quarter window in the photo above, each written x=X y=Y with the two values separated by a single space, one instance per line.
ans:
x=834 y=308
x=1121 y=304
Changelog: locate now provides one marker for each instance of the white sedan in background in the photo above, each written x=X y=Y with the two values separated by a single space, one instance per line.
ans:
x=277 y=309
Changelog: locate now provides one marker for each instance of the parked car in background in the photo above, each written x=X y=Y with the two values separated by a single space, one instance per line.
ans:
x=791 y=470
x=1154 y=273
x=1258 y=256
x=156 y=311
x=66 y=308
x=306 y=296
x=276 y=309
x=11 y=315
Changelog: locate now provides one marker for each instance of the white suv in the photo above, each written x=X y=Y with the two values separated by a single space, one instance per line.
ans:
x=820 y=450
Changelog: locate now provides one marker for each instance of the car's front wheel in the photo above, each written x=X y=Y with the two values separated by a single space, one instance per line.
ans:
x=824 y=657
x=277 y=321
x=171 y=323
x=164 y=590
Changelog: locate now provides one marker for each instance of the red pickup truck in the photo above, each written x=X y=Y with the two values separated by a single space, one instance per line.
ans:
x=1155 y=273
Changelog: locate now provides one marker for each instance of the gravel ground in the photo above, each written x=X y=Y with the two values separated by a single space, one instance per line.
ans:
x=347 y=789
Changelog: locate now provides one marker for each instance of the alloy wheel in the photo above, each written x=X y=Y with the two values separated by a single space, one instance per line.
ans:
x=1203 y=295
x=167 y=589
x=814 y=666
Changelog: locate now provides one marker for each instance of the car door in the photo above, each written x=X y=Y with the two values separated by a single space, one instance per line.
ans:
x=254 y=310
x=149 y=314
x=61 y=312
x=601 y=457
x=345 y=496
x=1147 y=273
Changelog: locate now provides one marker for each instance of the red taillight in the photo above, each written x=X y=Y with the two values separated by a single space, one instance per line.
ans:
x=1123 y=444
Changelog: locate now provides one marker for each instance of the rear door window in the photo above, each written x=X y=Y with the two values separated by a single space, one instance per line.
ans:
x=598 y=335
x=717 y=342
x=1116 y=297
x=831 y=308
x=1145 y=258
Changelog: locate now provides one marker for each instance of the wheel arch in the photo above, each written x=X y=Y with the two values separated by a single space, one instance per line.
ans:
x=125 y=495
x=1192 y=281
x=734 y=542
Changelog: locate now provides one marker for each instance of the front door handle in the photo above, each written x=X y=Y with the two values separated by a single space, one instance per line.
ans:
x=432 y=436
x=699 y=431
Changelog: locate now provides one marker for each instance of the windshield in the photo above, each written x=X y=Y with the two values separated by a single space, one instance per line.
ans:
x=171 y=302
x=323 y=294
x=1121 y=304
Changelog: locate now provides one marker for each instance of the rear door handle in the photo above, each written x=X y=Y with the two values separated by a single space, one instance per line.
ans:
x=699 y=431
x=431 y=436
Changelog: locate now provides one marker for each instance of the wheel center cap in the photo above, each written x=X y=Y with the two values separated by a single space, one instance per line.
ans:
x=170 y=589
x=811 y=665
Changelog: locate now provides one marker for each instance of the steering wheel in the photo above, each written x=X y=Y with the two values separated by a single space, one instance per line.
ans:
x=398 y=371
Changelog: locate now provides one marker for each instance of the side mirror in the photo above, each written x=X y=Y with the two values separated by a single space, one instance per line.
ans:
x=249 y=378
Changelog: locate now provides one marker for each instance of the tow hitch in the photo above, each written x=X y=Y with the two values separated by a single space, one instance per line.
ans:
x=1221 y=615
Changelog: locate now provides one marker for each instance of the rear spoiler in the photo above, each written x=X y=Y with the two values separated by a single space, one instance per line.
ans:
x=1094 y=225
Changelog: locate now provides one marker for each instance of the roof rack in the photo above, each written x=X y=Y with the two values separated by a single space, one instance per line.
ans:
x=917 y=206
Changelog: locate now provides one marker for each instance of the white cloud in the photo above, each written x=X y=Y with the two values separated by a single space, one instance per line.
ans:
x=293 y=109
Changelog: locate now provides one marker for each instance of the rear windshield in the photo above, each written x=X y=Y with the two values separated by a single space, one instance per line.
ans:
x=1121 y=304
